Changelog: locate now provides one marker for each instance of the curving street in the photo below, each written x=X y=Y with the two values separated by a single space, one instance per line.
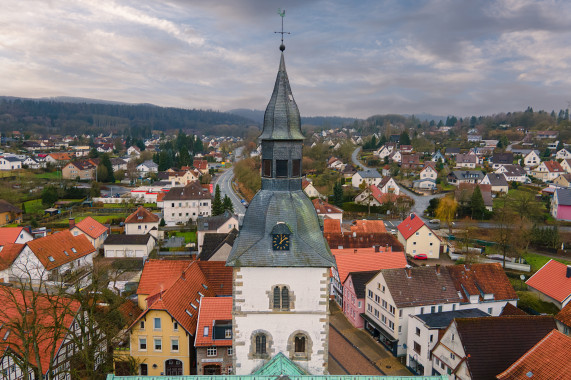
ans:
x=225 y=183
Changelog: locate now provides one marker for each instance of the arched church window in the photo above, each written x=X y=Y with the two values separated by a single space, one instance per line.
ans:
x=285 y=298
x=281 y=298
x=261 y=344
x=299 y=343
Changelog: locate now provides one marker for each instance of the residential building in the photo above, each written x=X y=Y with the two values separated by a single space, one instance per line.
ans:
x=327 y=210
x=118 y=164
x=547 y=171
x=467 y=160
x=464 y=191
x=561 y=204
x=417 y=237
x=566 y=165
x=452 y=152
x=354 y=296
x=531 y=159
x=361 y=234
x=18 y=235
x=563 y=320
x=217 y=246
x=95 y=232
x=564 y=180
x=32 y=163
x=134 y=151
x=147 y=167
x=394 y=294
x=170 y=293
x=309 y=189
x=384 y=151
x=499 y=159
x=201 y=166
x=388 y=185
x=438 y=156
x=370 y=177
x=219 y=224
x=427 y=180
x=83 y=170
x=182 y=204
x=547 y=134
x=10 y=163
x=142 y=222
x=424 y=331
x=563 y=154
x=395 y=156
x=548 y=359
x=9 y=213
x=457 y=177
x=410 y=161
x=59 y=159
x=180 y=177
x=552 y=282
x=213 y=343
x=482 y=348
x=497 y=182
x=513 y=173
x=373 y=196
x=121 y=246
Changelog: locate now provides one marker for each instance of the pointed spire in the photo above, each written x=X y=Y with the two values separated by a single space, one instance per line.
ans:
x=282 y=120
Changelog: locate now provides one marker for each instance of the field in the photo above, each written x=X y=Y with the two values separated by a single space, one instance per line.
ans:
x=50 y=175
x=104 y=219
x=537 y=261
x=34 y=207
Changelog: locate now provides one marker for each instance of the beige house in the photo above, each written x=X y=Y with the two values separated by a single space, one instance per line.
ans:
x=142 y=222
x=547 y=171
x=531 y=160
x=566 y=165
x=84 y=170
x=220 y=224
x=418 y=238
x=96 y=232
x=117 y=246
x=310 y=190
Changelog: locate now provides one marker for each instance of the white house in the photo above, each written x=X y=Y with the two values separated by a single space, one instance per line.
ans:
x=223 y=223
x=547 y=171
x=417 y=237
x=389 y=186
x=117 y=245
x=513 y=173
x=370 y=177
x=468 y=160
x=531 y=160
x=562 y=154
x=384 y=151
x=309 y=189
x=182 y=204
x=142 y=222
x=10 y=163
x=17 y=235
x=134 y=151
x=497 y=181
x=147 y=167
x=95 y=232
x=395 y=156
x=33 y=164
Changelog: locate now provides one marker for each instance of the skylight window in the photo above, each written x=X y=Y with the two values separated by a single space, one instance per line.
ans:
x=73 y=250
x=67 y=254
x=50 y=258
x=193 y=305
x=188 y=312
x=204 y=286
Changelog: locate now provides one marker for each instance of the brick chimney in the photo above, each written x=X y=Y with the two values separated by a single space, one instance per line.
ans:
x=568 y=274
x=377 y=248
x=437 y=268
x=71 y=223
x=408 y=272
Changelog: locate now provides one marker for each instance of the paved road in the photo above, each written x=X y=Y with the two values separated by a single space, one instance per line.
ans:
x=420 y=201
x=225 y=183
x=356 y=163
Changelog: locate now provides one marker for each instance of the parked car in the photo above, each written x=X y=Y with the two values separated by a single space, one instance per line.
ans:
x=420 y=256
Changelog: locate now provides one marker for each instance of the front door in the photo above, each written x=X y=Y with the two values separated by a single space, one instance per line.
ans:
x=212 y=369
x=173 y=367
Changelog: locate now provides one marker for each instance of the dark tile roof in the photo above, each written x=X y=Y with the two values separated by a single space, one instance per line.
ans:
x=360 y=280
x=563 y=197
x=443 y=319
x=424 y=286
x=514 y=170
x=497 y=179
x=368 y=240
x=191 y=191
x=128 y=239
x=491 y=344
x=510 y=309
x=503 y=158
x=212 y=223
x=214 y=241
x=8 y=207
x=478 y=279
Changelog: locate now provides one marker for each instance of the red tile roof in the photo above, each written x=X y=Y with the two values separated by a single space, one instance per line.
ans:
x=564 y=316
x=91 y=227
x=218 y=275
x=305 y=183
x=548 y=359
x=486 y=278
x=410 y=225
x=510 y=309
x=331 y=226
x=368 y=227
x=160 y=275
x=213 y=309
x=8 y=254
x=58 y=249
x=382 y=197
x=553 y=167
x=366 y=259
x=323 y=207
x=9 y=234
x=61 y=156
x=142 y=215
x=552 y=281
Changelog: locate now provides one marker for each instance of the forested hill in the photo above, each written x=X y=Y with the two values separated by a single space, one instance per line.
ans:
x=60 y=117
x=318 y=121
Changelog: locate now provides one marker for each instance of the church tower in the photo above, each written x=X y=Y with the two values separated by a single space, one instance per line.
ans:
x=281 y=260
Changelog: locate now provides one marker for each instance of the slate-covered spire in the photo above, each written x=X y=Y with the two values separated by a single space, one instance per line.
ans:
x=282 y=120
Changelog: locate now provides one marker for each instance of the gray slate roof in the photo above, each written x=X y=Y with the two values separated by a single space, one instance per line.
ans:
x=360 y=280
x=467 y=174
x=281 y=119
x=497 y=179
x=127 y=239
x=563 y=197
x=369 y=173
x=424 y=287
x=212 y=223
x=253 y=247
x=443 y=319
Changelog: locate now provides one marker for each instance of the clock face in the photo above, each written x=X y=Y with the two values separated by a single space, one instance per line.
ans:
x=280 y=242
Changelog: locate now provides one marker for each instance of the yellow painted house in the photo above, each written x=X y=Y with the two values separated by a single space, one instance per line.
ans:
x=170 y=291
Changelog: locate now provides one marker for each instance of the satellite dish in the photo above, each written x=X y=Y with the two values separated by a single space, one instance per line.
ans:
x=522 y=277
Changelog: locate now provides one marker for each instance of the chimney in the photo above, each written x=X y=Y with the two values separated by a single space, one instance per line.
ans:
x=71 y=223
x=437 y=268
x=408 y=272
x=568 y=271
x=377 y=248
x=355 y=250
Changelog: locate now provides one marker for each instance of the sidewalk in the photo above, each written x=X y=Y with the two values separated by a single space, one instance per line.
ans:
x=364 y=343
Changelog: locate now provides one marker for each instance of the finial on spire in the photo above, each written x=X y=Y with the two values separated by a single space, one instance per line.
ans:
x=282 y=15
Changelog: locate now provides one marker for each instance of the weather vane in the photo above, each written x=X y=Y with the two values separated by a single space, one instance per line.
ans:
x=282 y=15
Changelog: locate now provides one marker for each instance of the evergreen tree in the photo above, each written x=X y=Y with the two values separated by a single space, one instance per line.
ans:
x=546 y=154
x=93 y=153
x=198 y=147
x=165 y=160
x=338 y=194
x=559 y=146
x=227 y=204
x=49 y=196
x=184 y=157
x=404 y=138
x=105 y=161
x=477 y=203
x=382 y=141
x=217 y=203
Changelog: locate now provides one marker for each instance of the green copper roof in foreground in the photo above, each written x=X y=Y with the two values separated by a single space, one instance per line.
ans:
x=279 y=365
x=282 y=120
x=281 y=377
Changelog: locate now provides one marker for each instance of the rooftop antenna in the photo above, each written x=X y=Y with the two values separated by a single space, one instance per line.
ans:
x=282 y=15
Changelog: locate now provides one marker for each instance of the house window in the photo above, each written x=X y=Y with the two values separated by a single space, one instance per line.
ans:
x=440 y=309
x=228 y=334
x=144 y=370
x=174 y=344
x=416 y=348
x=452 y=356
x=142 y=344
x=384 y=304
x=280 y=297
x=400 y=313
x=417 y=331
x=433 y=309
x=175 y=326
x=157 y=322
x=139 y=226
x=391 y=325
x=383 y=289
x=142 y=325
x=261 y=344
x=205 y=331
x=281 y=168
x=490 y=310
x=230 y=351
x=431 y=337
x=158 y=344
x=211 y=351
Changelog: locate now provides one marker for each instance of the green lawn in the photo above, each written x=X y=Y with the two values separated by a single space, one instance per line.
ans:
x=51 y=175
x=104 y=219
x=189 y=236
x=34 y=207
x=531 y=300
x=537 y=261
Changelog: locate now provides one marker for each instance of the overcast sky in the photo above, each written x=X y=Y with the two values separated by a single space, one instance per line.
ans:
x=345 y=58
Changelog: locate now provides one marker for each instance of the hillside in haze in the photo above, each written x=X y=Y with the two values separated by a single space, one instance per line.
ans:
x=318 y=121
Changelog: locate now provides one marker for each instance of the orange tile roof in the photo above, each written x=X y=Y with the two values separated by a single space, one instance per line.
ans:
x=410 y=225
x=8 y=254
x=368 y=227
x=331 y=226
x=12 y=301
x=60 y=247
x=366 y=259
x=486 y=278
x=160 y=275
x=142 y=215
x=218 y=275
x=61 y=156
x=9 y=234
x=91 y=227
x=160 y=196
x=564 y=316
x=323 y=207
x=551 y=280
x=213 y=309
x=548 y=359
x=553 y=167
x=305 y=183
